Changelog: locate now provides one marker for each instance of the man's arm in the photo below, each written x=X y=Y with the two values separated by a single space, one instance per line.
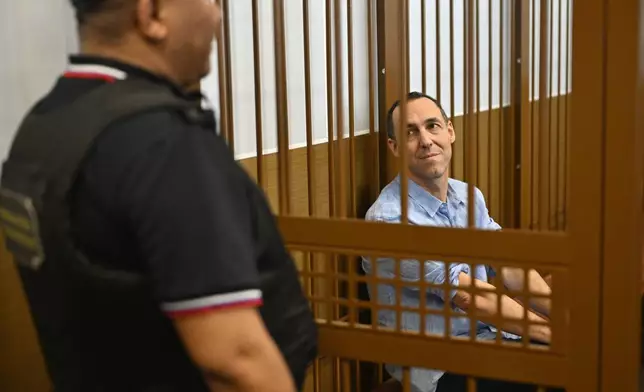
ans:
x=487 y=305
x=513 y=279
x=234 y=351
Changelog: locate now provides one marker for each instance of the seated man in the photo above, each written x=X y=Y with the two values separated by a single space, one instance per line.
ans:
x=437 y=200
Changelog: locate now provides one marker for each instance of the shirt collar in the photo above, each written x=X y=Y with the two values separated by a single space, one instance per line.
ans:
x=111 y=69
x=426 y=200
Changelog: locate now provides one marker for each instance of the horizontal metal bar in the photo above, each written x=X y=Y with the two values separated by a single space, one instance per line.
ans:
x=461 y=357
x=548 y=249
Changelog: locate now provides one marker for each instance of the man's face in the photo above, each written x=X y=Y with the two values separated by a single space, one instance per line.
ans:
x=429 y=139
x=192 y=26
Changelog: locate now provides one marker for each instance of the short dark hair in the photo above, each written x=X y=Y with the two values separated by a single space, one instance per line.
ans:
x=103 y=17
x=85 y=8
x=412 y=96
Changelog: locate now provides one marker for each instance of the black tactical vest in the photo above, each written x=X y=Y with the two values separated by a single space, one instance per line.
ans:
x=66 y=291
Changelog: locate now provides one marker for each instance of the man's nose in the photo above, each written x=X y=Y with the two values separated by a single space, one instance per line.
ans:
x=426 y=138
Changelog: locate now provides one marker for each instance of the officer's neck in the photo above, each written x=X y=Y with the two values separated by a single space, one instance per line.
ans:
x=140 y=56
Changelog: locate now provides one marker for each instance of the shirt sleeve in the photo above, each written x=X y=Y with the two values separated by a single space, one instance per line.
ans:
x=485 y=221
x=188 y=206
x=436 y=273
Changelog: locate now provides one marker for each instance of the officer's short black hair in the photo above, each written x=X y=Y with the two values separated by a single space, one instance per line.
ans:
x=85 y=8
x=412 y=96
x=104 y=16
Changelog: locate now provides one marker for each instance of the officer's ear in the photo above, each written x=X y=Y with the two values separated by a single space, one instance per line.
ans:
x=148 y=21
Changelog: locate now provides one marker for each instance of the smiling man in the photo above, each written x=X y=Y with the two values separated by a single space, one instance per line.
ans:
x=435 y=199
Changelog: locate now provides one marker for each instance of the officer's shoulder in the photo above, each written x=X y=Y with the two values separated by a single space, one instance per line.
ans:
x=153 y=128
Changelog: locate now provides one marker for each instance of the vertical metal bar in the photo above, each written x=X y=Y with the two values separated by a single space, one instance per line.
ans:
x=257 y=69
x=346 y=375
x=373 y=135
x=337 y=375
x=452 y=77
x=352 y=121
x=310 y=152
x=471 y=384
x=330 y=111
x=509 y=138
x=307 y=276
x=423 y=44
x=406 y=379
x=477 y=116
x=438 y=50
x=490 y=192
x=466 y=119
x=358 y=377
x=471 y=126
x=447 y=305
x=339 y=101
x=375 y=282
x=534 y=200
x=223 y=98
x=398 y=290
x=566 y=107
x=501 y=115
x=402 y=121
x=525 y=131
x=329 y=291
x=526 y=299
x=561 y=173
x=230 y=131
x=623 y=146
x=552 y=199
x=352 y=293
x=283 y=177
x=544 y=140
x=317 y=380
x=500 y=292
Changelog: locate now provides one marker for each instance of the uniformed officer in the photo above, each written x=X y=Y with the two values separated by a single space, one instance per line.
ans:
x=150 y=260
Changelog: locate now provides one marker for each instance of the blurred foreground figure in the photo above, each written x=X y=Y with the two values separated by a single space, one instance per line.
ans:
x=151 y=261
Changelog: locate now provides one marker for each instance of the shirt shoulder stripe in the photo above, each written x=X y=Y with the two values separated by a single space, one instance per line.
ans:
x=245 y=298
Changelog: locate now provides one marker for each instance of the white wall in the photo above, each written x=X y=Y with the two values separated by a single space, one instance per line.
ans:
x=243 y=74
x=243 y=79
x=35 y=37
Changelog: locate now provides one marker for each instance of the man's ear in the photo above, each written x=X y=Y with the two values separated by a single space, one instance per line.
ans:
x=148 y=20
x=393 y=146
x=452 y=134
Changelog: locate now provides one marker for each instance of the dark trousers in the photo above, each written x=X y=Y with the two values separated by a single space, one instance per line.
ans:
x=457 y=383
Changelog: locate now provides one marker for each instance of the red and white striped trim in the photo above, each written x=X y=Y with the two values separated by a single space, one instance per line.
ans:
x=246 y=298
x=94 y=71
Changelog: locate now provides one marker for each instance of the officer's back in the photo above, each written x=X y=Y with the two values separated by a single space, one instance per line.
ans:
x=177 y=279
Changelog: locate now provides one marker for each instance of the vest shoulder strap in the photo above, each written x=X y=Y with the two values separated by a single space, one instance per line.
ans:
x=48 y=151
x=60 y=140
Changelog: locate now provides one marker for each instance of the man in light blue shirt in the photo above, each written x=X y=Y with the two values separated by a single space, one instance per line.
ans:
x=437 y=200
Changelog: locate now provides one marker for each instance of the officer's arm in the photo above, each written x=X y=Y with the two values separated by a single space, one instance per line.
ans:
x=234 y=351
x=194 y=225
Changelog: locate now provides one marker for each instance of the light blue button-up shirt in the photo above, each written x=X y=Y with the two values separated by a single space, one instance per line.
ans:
x=425 y=209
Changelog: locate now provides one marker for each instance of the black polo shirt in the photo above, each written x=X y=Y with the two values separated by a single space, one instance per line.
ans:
x=165 y=198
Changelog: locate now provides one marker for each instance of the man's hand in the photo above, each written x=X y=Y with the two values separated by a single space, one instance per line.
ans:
x=512 y=312
x=234 y=351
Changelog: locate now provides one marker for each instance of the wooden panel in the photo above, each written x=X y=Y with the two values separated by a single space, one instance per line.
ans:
x=21 y=364
x=299 y=184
